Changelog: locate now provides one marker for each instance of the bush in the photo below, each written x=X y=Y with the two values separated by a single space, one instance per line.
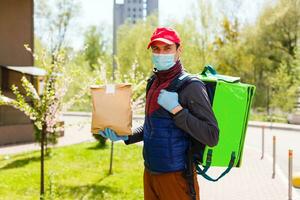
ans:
x=102 y=140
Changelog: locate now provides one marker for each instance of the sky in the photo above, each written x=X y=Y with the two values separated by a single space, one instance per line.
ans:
x=99 y=13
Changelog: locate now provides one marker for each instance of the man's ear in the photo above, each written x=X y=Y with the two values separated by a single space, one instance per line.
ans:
x=178 y=52
x=180 y=49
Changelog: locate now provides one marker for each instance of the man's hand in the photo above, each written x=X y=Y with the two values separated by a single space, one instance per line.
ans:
x=169 y=101
x=110 y=134
x=176 y=109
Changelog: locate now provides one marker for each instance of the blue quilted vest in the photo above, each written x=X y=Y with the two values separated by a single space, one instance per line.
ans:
x=165 y=145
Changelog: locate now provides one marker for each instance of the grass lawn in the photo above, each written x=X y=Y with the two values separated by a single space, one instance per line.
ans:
x=75 y=172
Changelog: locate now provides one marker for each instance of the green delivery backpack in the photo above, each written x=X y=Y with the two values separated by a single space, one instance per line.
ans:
x=231 y=102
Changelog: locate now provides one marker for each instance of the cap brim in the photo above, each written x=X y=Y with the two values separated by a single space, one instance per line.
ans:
x=161 y=40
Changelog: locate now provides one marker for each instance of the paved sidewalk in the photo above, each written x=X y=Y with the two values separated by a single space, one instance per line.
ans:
x=253 y=181
x=77 y=130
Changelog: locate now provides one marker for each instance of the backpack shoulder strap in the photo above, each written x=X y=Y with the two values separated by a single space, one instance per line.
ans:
x=181 y=81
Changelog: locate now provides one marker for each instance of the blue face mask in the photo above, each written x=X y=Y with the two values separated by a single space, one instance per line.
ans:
x=163 y=61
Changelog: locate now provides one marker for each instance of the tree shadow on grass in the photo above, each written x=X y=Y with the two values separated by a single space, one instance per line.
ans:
x=20 y=162
x=98 y=146
x=88 y=191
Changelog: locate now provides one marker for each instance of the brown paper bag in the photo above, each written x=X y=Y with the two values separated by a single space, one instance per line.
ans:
x=112 y=108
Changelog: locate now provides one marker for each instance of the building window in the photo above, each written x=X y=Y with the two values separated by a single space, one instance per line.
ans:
x=134 y=9
x=140 y=9
x=134 y=16
x=140 y=1
x=128 y=9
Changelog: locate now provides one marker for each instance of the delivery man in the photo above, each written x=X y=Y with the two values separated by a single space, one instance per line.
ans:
x=171 y=120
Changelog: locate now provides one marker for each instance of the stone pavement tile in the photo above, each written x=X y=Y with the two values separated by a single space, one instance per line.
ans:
x=253 y=181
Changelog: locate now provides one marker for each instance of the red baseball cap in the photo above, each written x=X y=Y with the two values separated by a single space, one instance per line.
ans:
x=166 y=35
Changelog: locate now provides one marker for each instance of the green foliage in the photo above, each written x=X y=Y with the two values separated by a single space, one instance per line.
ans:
x=231 y=52
x=82 y=77
x=132 y=47
x=263 y=116
x=75 y=172
x=77 y=96
x=195 y=53
x=283 y=92
x=94 y=47
x=273 y=42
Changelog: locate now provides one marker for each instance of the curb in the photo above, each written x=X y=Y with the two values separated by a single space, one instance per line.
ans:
x=77 y=114
x=271 y=125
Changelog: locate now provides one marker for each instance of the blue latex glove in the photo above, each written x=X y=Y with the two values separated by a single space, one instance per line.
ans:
x=110 y=134
x=168 y=100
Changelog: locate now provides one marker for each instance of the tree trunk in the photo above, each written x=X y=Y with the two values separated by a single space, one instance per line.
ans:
x=42 y=184
x=111 y=158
